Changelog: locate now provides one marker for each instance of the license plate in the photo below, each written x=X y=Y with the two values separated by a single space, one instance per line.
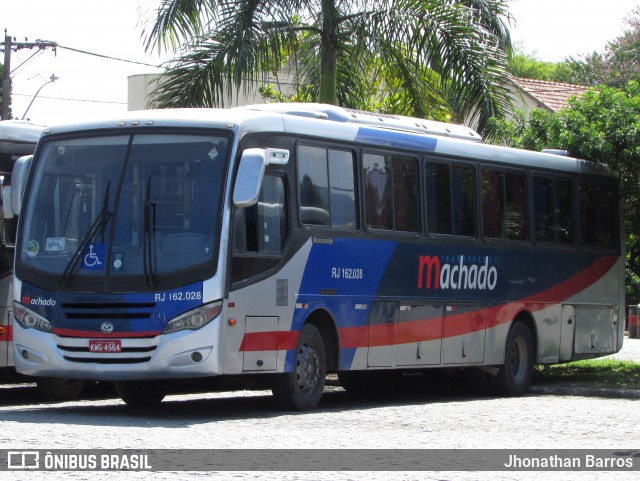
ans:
x=105 y=345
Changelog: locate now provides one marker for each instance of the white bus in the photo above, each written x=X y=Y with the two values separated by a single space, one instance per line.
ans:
x=289 y=241
x=17 y=139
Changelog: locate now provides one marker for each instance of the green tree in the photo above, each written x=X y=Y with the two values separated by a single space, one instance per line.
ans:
x=421 y=56
x=602 y=126
x=528 y=66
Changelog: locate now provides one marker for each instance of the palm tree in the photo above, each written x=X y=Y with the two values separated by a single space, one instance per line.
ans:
x=428 y=58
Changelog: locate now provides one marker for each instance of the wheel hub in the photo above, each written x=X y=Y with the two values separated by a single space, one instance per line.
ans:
x=308 y=368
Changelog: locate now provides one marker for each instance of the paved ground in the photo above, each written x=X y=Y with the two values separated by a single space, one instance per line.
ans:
x=630 y=350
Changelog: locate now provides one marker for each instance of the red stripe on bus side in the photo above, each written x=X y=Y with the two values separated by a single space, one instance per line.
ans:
x=431 y=329
x=101 y=335
x=6 y=333
x=269 y=341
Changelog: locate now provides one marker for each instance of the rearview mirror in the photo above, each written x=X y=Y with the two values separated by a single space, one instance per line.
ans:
x=18 y=182
x=251 y=173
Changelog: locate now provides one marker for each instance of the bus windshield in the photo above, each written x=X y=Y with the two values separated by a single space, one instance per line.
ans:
x=141 y=208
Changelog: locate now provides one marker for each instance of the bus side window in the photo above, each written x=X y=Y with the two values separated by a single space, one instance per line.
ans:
x=391 y=192
x=597 y=214
x=553 y=210
x=260 y=231
x=450 y=199
x=503 y=205
x=326 y=186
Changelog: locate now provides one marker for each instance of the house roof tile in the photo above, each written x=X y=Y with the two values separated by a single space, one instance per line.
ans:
x=553 y=95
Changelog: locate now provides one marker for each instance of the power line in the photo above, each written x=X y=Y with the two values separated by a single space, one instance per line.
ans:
x=107 y=56
x=73 y=100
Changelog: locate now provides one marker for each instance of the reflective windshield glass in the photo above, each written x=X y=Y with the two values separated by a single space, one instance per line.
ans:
x=142 y=206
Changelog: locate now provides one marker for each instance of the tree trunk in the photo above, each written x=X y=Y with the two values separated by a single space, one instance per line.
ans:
x=328 y=53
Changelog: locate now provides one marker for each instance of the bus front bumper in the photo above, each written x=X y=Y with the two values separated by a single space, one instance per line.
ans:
x=184 y=354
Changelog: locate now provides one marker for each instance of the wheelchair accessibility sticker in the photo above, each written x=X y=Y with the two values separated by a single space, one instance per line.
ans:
x=93 y=257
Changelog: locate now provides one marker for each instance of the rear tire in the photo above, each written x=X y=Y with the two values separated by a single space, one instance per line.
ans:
x=141 y=393
x=301 y=389
x=59 y=389
x=514 y=376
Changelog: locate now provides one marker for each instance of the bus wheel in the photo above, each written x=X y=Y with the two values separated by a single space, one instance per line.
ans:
x=514 y=376
x=59 y=389
x=302 y=389
x=141 y=393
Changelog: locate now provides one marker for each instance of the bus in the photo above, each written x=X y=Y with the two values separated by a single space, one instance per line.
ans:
x=286 y=242
x=17 y=139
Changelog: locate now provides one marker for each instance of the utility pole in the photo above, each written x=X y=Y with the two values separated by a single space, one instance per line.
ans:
x=6 y=78
x=9 y=46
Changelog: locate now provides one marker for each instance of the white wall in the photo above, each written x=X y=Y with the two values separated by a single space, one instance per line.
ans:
x=141 y=86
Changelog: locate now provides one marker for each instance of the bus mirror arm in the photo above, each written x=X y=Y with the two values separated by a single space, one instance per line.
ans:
x=251 y=172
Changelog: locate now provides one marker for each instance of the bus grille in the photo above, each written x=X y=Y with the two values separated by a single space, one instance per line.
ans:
x=135 y=350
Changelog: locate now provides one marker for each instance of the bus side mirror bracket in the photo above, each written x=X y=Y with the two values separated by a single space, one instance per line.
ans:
x=251 y=172
x=18 y=182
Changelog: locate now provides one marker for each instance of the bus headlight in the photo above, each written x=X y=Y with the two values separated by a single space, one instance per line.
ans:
x=29 y=319
x=195 y=318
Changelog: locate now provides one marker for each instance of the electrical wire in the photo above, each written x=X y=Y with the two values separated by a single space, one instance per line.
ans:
x=71 y=100
x=14 y=71
x=107 y=56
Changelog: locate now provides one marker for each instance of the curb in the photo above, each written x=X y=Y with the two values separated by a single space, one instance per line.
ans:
x=585 y=391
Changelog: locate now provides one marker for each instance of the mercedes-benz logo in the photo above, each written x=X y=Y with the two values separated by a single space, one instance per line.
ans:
x=106 y=327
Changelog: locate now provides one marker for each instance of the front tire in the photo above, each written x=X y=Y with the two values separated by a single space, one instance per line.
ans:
x=514 y=376
x=301 y=389
x=141 y=393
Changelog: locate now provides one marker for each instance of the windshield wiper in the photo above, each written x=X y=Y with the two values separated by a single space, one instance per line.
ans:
x=149 y=225
x=98 y=225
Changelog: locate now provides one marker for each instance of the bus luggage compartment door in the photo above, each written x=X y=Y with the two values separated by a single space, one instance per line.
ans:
x=419 y=335
x=595 y=331
x=464 y=334
x=566 y=332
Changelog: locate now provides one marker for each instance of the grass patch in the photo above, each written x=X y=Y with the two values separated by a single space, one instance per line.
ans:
x=605 y=373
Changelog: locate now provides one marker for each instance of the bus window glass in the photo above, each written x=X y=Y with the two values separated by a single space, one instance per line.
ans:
x=75 y=181
x=503 y=205
x=564 y=211
x=135 y=206
x=543 y=209
x=438 y=187
x=378 y=200
x=596 y=215
x=405 y=194
x=260 y=231
x=314 y=185
x=262 y=228
x=553 y=210
x=342 y=183
x=327 y=187
x=450 y=199
x=391 y=192
x=463 y=194
x=272 y=225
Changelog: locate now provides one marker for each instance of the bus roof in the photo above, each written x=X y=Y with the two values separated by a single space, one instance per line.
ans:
x=14 y=134
x=340 y=124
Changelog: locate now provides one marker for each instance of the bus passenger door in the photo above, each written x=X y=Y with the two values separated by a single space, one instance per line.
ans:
x=383 y=331
x=464 y=334
x=419 y=335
